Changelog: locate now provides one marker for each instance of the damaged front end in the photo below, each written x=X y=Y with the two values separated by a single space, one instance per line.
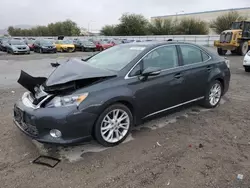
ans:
x=64 y=80
x=50 y=111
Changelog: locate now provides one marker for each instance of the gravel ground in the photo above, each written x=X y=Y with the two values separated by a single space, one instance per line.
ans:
x=191 y=147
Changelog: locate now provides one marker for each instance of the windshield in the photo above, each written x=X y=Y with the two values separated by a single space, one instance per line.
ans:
x=17 y=42
x=46 y=42
x=65 y=42
x=87 y=42
x=236 y=25
x=116 y=58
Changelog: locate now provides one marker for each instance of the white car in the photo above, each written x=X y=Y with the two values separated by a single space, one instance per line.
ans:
x=246 y=62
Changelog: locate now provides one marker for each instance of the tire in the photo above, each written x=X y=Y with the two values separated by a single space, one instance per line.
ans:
x=103 y=137
x=243 y=49
x=208 y=102
x=247 y=69
x=234 y=51
x=221 y=51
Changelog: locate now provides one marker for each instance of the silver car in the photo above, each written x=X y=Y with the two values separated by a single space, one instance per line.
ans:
x=17 y=47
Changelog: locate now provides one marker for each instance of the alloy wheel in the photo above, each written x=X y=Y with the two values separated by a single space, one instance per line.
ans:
x=115 y=125
x=215 y=94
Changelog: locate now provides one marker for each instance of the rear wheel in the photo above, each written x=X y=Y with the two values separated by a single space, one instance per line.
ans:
x=243 y=48
x=247 y=69
x=221 y=51
x=113 y=125
x=213 y=94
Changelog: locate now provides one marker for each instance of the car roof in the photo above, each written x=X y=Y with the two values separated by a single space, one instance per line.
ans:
x=155 y=43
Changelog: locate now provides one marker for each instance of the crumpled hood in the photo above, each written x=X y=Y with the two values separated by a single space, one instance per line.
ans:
x=74 y=70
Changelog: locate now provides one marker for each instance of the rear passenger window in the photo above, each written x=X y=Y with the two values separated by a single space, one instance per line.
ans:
x=190 y=54
x=205 y=57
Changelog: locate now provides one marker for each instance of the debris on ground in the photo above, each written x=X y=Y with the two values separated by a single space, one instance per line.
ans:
x=158 y=144
x=201 y=146
x=55 y=64
x=240 y=176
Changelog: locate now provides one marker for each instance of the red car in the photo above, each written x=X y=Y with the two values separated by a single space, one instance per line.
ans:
x=30 y=43
x=102 y=45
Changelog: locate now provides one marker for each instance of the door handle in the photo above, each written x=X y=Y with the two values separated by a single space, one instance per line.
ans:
x=209 y=68
x=178 y=75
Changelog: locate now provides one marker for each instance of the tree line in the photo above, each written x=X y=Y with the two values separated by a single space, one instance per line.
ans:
x=67 y=28
x=137 y=24
x=133 y=24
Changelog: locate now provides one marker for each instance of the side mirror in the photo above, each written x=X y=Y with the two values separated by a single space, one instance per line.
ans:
x=151 y=71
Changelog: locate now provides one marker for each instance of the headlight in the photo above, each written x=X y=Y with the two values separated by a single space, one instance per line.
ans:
x=44 y=47
x=67 y=100
x=54 y=46
x=248 y=53
x=14 y=48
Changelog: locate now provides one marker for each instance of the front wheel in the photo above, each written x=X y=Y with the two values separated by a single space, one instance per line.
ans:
x=113 y=125
x=221 y=51
x=213 y=95
x=243 y=48
x=247 y=69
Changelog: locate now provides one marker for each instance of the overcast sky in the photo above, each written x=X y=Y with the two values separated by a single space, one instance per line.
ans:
x=96 y=13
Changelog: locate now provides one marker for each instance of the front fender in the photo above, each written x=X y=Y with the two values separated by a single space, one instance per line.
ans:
x=97 y=102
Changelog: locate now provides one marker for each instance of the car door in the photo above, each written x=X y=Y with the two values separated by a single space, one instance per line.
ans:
x=195 y=71
x=160 y=92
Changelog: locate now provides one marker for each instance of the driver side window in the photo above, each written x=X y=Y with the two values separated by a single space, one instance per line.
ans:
x=164 y=58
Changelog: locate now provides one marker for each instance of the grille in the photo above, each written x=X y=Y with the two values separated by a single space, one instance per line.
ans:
x=19 y=118
x=21 y=48
x=225 y=37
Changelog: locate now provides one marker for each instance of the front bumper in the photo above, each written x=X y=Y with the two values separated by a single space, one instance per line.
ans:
x=68 y=49
x=75 y=126
x=49 y=50
x=21 y=51
x=226 y=46
x=246 y=61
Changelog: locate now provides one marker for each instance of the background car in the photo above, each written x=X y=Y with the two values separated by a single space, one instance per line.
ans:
x=103 y=45
x=30 y=43
x=17 y=47
x=44 y=46
x=105 y=95
x=246 y=62
x=84 y=45
x=65 y=46
x=115 y=42
x=3 y=44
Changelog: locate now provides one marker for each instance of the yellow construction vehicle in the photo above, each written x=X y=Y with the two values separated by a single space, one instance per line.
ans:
x=237 y=39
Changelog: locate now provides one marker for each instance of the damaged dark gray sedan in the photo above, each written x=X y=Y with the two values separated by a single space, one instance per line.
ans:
x=104 y=96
